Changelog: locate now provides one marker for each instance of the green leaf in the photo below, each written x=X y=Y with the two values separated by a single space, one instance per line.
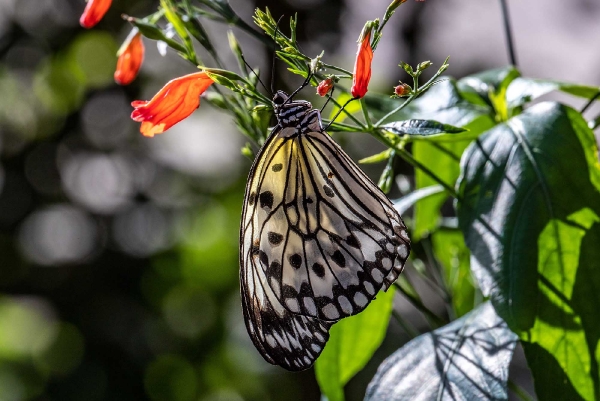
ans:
x=467 y=359
x=378 y=158
x=450 y=249
x=404 y=203
x=443 y=160
x=531 y=218
x=171 y=14
x=491 y=87
x=524 y=90
x=442 y=103
x=351 y=344
x=424 y=128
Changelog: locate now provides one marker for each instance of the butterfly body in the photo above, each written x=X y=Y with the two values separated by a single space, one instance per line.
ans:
x=318 y=239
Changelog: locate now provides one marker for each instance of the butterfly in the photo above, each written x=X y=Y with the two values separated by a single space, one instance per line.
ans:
x=318 y=239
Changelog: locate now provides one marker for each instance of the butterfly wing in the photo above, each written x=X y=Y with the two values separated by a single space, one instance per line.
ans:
x=318 y=240
x=283 y=338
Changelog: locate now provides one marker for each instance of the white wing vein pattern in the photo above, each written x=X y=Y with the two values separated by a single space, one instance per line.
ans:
x=318 y=240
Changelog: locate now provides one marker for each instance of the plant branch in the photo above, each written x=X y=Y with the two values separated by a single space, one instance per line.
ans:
x=508 y=32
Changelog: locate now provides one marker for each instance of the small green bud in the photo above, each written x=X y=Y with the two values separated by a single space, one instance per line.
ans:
x=424 y=65
x=248 y=152
x=409 y=70
x=234 y=44
x=386 y=179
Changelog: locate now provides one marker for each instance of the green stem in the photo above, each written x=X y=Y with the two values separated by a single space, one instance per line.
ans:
x=365 y=112
x=519 y=391
x=411 y=160
x=397 y=109
x=416 y=302
x=350 y=116
x=333 y=67
x=407 y=327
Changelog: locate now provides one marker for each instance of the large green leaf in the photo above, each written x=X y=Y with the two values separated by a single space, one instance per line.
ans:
x=530 y=212
x=523 y=90
x=442 y=103
x=467 y=359
x=423 y=128
x=351 y=345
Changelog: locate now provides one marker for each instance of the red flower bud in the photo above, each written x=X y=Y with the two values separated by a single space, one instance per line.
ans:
x=93 y=13
x=174 y=102
x=362 y=67
x=402 y=89
x=325 y=86
x=130 y=59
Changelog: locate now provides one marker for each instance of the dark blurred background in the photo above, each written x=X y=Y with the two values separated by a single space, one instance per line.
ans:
x=118 y=253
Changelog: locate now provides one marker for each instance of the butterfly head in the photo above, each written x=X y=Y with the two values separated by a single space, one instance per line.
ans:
x=289 y=112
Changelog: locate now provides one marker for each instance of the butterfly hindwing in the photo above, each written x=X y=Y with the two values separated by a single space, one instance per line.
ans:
x=318 y=240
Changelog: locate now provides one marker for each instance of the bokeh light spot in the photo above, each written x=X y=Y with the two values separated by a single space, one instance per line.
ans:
x=171 y=378
x=58 y=235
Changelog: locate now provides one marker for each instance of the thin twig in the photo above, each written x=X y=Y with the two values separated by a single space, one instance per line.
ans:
x=519 y=391
x=591 y=101
x=407 y=327
x=508 y=32
x=416 y=302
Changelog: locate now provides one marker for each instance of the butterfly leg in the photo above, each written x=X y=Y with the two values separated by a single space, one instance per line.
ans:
x=328 y=99
x=339 y=111
x=306 y=82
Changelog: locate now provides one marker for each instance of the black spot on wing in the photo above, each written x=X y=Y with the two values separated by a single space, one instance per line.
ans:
x=352 y=241
x=274 y=238
x=296 y=260
x=277 y=167
x=266 y=199
x=339 y=258
x=318 y=269
x=328 y=191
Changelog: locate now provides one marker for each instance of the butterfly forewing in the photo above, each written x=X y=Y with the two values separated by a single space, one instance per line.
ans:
x=318 y=240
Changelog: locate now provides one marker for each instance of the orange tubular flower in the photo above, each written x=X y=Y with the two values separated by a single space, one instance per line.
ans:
x=362 y=67
x=174 y=102
x=325 y=86
x=93 y=13
x=130 y=59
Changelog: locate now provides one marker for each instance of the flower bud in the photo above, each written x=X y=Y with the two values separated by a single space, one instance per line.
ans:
x=325 y=86
x=424 y=65
x=402 y=89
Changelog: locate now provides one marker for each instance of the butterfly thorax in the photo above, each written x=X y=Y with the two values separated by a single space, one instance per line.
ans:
x=298 y=114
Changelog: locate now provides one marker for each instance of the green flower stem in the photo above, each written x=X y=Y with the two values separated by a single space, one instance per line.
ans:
x=397 y=109
x=365 y=112
x=407 y=327
x=154 y=18
x=343 y=127
x=333 y=67
x=417 y=303
x=519 y=391
x=411 y=160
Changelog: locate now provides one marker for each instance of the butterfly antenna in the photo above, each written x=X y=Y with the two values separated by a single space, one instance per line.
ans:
x=274 y=55
x=339 y=111
x=255 y=74
x=329 y=97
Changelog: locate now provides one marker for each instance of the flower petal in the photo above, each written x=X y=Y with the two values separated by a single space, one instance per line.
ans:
x=93 y=13
x=130 y=59
x=174 y=102
x=362 y=67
